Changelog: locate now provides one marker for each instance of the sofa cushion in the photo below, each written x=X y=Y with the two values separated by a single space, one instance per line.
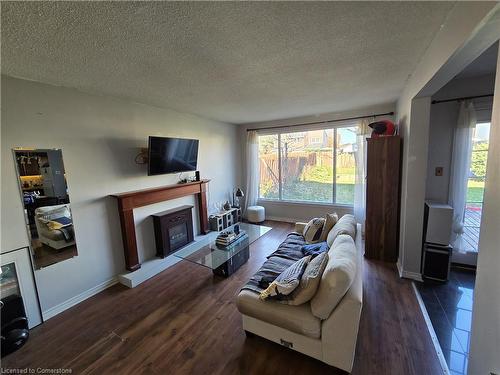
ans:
x=54 y=235
x=56 y=223
x=291 y=248
x=331 y=220
x=309 y=281
x=298 y=319
x=53 y=212
x=287 y=281
x=299 y=227
x=337 y=277
x=267 y=273
x=313 y=229
x=345 y=225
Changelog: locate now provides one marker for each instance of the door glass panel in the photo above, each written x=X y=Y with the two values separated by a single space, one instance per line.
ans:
x=475 y=186
x=9 y=283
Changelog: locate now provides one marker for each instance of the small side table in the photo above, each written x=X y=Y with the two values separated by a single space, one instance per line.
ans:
x=225 y=219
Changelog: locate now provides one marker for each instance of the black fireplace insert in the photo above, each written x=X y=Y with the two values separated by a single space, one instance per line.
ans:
x=173 y=230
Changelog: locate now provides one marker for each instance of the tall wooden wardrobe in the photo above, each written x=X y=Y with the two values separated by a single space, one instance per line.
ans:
x=383 y=198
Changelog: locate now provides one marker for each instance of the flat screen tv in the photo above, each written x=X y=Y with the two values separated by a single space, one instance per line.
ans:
x=172 y=155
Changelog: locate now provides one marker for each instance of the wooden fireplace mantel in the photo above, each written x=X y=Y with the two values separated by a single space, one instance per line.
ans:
x=134 y=199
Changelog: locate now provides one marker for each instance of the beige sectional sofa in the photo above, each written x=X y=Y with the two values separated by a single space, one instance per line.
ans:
x=325 y=328
x=53 y=238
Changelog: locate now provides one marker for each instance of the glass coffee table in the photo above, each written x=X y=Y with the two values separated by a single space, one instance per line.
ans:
x=223 y=261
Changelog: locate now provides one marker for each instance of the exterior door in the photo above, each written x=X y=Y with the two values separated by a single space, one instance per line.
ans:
x=475 y=192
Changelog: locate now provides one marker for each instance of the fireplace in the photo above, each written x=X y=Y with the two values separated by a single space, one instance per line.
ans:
x=173 y=230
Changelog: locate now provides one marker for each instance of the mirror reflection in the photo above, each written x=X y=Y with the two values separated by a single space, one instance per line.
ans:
x=47 y=208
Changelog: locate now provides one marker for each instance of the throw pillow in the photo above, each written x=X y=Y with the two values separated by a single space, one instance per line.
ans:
x=315 y=248
x=287 y=281
x=331 y=220
x=313 y=229
x=63 y=220
x=345 y=225
x=337 y=277
x=53 y=225
x=55 y=213
x=309 y=282
x=57 y=223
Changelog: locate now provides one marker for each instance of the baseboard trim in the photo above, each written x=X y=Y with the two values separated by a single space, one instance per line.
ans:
x=430 y=328
x=400 y=268
x=407 y=274
x=412 y=275
x=149 y=268
x=285 y=219
x=53 y=311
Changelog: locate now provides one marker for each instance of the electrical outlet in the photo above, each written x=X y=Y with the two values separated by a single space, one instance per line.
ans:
x=439 y=171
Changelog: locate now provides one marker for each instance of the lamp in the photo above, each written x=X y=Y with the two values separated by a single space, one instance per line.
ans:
x=237 y=194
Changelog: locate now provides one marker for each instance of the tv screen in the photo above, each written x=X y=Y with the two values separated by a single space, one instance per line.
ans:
x=172 y=155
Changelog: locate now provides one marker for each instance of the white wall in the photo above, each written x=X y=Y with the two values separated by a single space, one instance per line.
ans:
x=485 y=341
x=288 y=211
x=413 y=188
x=100 y=137
x=443 y=121
x=460 y=24
x=294 y=212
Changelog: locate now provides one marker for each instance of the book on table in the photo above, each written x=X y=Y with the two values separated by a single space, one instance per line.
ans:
x=226 y=239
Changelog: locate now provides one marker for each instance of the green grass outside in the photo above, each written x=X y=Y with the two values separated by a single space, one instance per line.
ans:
x=312 y=191
x=475 y=183
x=475 y=194
x=311 y=187
x=322 y=174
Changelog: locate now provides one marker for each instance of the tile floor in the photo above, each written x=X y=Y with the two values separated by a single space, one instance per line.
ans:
x=449 y=306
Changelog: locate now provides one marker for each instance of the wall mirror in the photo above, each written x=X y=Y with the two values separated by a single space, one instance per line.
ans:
x=47 y=209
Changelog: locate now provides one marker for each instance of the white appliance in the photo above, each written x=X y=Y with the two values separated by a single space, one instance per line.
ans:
x=438 y=223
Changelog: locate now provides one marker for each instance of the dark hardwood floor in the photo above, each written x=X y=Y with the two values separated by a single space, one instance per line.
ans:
x=185 y=321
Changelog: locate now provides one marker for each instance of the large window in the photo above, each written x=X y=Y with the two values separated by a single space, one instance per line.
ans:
x=475 y=185
x=308 y=166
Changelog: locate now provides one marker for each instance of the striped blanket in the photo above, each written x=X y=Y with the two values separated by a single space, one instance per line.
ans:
x=287 y=253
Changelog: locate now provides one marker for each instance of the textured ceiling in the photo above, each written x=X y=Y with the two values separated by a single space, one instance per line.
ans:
x=231 y=61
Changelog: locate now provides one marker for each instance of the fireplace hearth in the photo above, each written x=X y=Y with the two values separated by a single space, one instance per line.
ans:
x=173 y=230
